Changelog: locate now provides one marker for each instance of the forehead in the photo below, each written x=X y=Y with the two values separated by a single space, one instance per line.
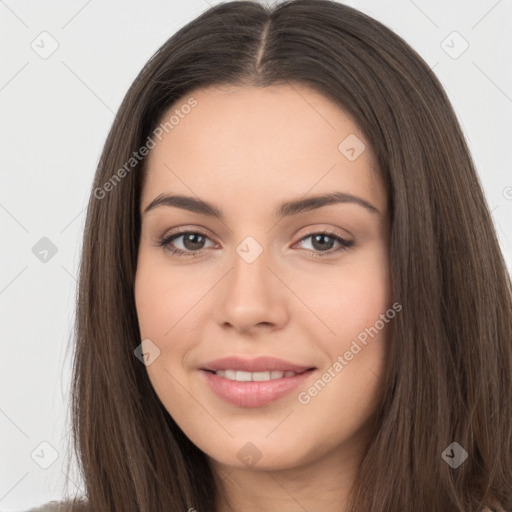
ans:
x=260 y=144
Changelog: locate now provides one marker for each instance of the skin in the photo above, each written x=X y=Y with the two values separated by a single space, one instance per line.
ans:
x=247 y=150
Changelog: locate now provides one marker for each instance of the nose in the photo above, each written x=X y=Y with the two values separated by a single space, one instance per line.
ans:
x=252 y=296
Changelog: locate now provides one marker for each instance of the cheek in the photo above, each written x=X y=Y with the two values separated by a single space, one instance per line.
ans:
x=164 y=300
x=171 y=305
x=350 y=385
x=165 y=297
x=351 y=298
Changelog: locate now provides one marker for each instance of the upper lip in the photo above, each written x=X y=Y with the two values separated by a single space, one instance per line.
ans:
x=258 y=364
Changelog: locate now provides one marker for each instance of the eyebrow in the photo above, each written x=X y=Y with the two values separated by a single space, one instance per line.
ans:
x=286 y=209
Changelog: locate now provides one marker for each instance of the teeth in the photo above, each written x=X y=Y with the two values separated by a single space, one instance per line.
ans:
x=242 y=376
x=259 y=376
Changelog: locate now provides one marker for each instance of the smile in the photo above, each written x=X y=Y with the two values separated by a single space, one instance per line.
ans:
x=242 y=376
x=253 y=389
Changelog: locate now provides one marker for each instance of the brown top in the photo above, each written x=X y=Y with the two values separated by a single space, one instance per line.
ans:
x=48 y=507
x=56 y=506
x=61 y=506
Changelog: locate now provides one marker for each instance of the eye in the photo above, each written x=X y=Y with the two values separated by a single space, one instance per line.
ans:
x=321 y=243
x=193 y=242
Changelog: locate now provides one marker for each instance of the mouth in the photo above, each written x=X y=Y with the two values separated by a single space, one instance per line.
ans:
x=264 y=376
x=254 y=383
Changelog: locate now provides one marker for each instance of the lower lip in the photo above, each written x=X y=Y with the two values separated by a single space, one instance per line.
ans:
x=254 y=393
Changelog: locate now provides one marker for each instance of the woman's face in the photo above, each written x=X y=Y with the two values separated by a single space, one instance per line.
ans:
x=258 y=282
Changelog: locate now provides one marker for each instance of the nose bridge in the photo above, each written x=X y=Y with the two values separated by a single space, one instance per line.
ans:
x=251 y=294
x=250 y=250
x=250 y=268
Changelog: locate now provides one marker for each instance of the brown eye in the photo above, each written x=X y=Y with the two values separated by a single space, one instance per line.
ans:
x=323 y=243
x=192 y=242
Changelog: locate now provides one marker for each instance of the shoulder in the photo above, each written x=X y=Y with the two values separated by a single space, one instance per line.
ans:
x=52 y=506
x=61 y=506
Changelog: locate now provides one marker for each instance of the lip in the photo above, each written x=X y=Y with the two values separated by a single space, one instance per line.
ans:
x=254 y=393
x=258 y=364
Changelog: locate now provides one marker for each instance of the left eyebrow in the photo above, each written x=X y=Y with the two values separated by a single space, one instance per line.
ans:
x=286 y=209
x=313 y=202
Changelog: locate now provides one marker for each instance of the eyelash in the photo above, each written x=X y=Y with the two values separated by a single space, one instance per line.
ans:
x=165 y=241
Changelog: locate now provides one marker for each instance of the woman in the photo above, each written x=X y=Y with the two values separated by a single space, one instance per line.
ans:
x=291 y=293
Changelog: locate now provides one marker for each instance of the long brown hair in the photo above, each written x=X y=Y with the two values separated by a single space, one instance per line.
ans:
x=449 y=377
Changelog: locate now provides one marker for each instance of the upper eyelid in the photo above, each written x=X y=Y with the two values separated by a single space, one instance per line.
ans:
x=186 y=231
x=174 y=236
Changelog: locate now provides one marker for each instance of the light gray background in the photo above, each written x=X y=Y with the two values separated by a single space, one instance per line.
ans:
x=55 y=115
